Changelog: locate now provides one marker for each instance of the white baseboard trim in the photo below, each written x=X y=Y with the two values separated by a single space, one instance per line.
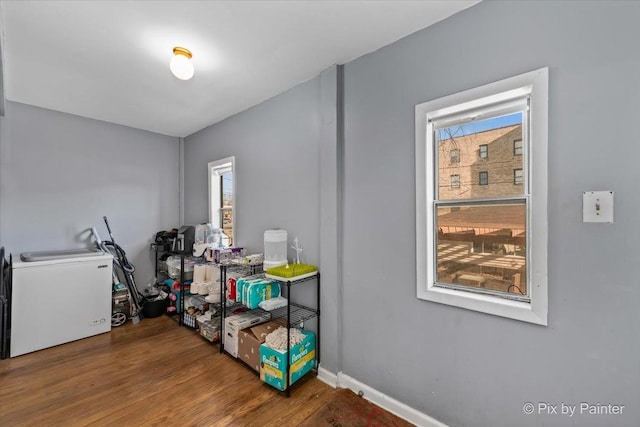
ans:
x=327 y=377
x=379 y=399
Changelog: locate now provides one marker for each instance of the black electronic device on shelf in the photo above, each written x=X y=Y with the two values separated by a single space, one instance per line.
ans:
x=166 y=240
x=186 y=238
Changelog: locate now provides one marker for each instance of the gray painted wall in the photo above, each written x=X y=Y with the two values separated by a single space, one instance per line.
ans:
x=60 y=174
x=277 y=149
x=472 y=369
x=331 y=179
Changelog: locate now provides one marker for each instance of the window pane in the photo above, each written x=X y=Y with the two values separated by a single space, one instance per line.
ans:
x=517 y=147
x=483 y=247
x=484 y=178
x=517 y=177
x=455 y=156
x=227 y=205
x=484 y=151
x=497 y=135
x=227 y=190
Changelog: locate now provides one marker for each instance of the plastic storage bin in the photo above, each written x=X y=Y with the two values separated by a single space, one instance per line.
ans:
x=155 y=308
x=275 y=248
x=210 y=330
x=173 y=267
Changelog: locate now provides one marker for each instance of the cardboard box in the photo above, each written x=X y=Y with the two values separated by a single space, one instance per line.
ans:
x=234 y=324
x=250 y=339
x=273 y=363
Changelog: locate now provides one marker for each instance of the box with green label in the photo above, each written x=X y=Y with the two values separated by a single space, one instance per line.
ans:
x=273 y=363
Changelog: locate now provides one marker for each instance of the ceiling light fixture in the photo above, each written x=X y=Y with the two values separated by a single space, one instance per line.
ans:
x=180 y=64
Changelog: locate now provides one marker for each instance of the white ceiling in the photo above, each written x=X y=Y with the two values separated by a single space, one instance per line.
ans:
x=109 y=60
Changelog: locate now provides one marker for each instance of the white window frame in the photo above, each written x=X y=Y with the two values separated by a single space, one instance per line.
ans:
x=216 y=170
x=534 y=85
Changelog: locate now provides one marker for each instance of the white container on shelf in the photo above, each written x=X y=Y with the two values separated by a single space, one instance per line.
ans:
x=275 y=248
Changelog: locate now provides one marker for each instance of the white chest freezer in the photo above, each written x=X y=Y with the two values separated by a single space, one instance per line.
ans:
x=58 y=297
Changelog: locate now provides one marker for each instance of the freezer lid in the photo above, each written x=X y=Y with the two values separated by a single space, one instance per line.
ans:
x=59 y=254
x=28 y=259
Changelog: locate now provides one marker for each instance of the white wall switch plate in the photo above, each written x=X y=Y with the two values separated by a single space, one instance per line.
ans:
x=597 y=206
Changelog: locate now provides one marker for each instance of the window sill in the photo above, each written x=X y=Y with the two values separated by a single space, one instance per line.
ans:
x=523 y=311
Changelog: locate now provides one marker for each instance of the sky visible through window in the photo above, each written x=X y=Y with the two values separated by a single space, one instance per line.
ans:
x=227 y=186
x=480 y=126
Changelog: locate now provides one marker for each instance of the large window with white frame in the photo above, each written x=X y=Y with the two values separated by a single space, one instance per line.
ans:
x=222 y=197
x=482 y=245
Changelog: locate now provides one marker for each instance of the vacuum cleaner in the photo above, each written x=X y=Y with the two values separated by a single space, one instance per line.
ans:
x=121 y=288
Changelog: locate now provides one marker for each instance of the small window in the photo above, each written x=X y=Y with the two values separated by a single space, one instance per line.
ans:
x=517 y=177
x=455 y=156
x=517 y=147
x=221 y=197
x=484 y=151
x=455 y=181
x=484 y=178
x=226 y=201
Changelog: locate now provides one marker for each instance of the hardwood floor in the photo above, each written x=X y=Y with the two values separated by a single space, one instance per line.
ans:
x=153 y=373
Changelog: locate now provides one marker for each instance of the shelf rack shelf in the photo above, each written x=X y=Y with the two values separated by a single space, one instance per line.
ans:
x=294 y=313
x=298 y=314
x=157 y=249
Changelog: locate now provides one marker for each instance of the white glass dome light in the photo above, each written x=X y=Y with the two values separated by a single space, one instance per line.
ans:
x=181 y=65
